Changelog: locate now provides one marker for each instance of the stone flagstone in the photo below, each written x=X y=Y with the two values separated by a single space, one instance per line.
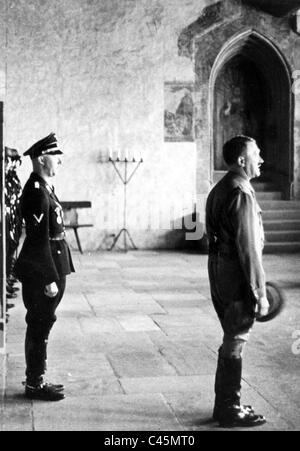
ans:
x=136 y=323
x=136 y=345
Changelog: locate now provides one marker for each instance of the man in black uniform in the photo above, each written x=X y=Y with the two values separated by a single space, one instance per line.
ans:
x=43 y=264
x=13 y=191
x=237 y=279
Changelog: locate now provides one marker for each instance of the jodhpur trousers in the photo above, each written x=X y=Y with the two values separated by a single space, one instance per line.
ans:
x=233 y=302
x=40 y=318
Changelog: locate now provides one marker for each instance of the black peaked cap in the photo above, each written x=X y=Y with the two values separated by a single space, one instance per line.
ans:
x=45 y=146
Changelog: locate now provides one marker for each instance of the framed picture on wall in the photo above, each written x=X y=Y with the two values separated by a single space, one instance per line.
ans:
x=179 y=111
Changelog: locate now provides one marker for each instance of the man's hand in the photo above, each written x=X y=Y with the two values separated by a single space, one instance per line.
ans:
x=262 y=307
x=51 y=290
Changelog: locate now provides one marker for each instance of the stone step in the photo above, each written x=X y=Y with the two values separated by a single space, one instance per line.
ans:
x=280 y=236
x=279 y=204
x=263 y=186
x=268 y=195
x=281 y=214
x=282 y=248
x=281 y=217
x=282 y=224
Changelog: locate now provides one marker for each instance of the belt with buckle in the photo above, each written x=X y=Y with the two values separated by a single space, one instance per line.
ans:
x=59 y=237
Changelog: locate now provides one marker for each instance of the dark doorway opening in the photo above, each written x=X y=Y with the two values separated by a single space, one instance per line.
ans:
x=252 y=96
x=240 y=106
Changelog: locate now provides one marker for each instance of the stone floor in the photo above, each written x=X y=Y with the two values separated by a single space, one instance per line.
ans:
x=136 y=343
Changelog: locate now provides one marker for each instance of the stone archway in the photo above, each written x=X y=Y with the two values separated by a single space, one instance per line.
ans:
x=250 y=93
x=232 y=33
x=239 y=105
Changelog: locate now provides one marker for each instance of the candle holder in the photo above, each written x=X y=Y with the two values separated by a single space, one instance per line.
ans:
x=125 y=179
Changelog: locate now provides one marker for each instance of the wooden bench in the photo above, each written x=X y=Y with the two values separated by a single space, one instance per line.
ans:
x=71 y=217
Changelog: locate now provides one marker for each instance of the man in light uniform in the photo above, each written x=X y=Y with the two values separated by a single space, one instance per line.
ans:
x=237 y=278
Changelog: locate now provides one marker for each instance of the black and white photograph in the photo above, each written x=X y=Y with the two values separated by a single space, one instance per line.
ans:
x=149 y=218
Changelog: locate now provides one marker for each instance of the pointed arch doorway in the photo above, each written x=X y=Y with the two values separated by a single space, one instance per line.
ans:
x=250 y=93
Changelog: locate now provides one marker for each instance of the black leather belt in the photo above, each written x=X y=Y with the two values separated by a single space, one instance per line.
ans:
x=59 y=237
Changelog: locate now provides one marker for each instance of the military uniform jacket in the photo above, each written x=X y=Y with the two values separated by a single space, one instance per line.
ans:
x=235 y=233
x=13 y=192
x=41 y=258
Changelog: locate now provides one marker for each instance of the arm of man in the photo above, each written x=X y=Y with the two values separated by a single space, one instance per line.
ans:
x=248 y=237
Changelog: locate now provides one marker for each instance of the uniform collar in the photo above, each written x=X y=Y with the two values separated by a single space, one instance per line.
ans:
x=37 y=178
x=243 y=176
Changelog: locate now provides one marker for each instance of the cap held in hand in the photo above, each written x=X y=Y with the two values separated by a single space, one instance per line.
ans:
x=277 y=301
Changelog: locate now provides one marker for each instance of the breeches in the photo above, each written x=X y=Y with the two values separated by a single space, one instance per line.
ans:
x=40 y=318
x=233 y=302
x=40 y=308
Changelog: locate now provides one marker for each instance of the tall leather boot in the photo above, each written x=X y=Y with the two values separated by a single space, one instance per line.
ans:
x=58 y=387
x=222 y=390
x=35 y=386
x=217 y=389
x=228 y=409
x=35 y=356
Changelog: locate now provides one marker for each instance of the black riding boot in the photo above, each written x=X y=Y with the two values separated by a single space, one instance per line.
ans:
x=224 y=392
x=228 y=410
x=36 y=358
x=217 y=389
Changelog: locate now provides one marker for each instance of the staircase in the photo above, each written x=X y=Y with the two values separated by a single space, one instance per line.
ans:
x=281 y=219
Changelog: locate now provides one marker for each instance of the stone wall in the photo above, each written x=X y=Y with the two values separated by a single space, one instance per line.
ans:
x=210 y=37
x=93 y=71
